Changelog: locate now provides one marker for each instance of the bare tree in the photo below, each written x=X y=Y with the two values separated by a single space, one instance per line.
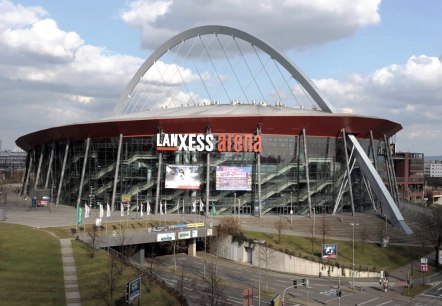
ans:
x=267 y=257
x=181 y=283
x=126 y=250
x=230 y=226
x=431 y=225
x=150 y=258
x=279 y=226
x=176 y=246
x=381 y=235
x=213 y=293
x=93 y=235
x=363 y=237
x=324 y=227
x=111 y=278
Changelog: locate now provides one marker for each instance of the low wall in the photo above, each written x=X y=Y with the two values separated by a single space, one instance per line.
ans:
x=260 y=256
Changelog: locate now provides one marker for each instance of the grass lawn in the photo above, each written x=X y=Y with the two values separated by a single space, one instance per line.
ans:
x=31 y=270
x=94 y=275
x=366 y=254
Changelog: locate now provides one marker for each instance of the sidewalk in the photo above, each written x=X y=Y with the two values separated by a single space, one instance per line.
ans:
x=72 y=290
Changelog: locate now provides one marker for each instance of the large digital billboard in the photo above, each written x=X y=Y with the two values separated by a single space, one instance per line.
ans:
x=234 y=178
x=182 y=177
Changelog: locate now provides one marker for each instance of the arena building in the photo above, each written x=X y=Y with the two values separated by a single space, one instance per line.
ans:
x=216 y=121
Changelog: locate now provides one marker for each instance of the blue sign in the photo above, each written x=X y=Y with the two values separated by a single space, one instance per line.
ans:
x=133 y=290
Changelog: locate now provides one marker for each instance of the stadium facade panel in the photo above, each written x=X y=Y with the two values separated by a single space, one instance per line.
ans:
x=284 y=155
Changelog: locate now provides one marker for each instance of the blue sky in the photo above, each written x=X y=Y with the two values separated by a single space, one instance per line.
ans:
x=369 y=57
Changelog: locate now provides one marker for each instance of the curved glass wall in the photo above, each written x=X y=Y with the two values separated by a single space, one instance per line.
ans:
x=232 y=181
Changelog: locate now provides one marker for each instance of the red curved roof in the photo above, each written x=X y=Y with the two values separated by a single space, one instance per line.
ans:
x=232 y=119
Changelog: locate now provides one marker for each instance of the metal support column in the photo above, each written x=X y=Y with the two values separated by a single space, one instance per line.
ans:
x=160 y=165
x=117 y=167
x=307 y=175
x=390 y=172
x=387 y=165
x=24 y=190
x=157 y=194
x=375 y=163
x=48 y=173
x=378 y=186
x=258 y=174
x=63 y=168
x=40 y=161
x=83 y=171
x=370 y=193
x=23 y=176
x=347 y=162
x=207 y=179
x=342 y=188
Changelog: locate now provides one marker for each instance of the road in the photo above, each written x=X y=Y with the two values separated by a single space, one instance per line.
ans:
x=266 y=284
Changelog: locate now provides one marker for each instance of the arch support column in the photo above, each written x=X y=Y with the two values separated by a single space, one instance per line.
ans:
x=63 y=168
x=307 y=174
x=117 y=167
x=378 y=185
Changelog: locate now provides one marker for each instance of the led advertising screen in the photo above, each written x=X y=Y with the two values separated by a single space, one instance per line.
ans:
x=329 y=251
x=234 y=178
x=182 y=177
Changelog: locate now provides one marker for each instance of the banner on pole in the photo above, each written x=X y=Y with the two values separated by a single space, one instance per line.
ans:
x=79 y=215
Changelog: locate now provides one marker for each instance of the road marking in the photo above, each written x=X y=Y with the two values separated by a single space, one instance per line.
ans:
x=231 y=299
x=383 y=303
x=435 y=296
x=368 y=301
x=331 y=292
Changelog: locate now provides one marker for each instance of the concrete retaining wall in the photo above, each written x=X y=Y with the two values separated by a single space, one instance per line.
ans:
x=267 y=258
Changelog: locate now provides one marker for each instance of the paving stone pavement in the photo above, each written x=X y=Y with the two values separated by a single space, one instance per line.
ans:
x=72 y=290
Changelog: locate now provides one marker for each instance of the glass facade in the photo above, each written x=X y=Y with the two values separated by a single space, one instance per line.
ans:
x=286 y=182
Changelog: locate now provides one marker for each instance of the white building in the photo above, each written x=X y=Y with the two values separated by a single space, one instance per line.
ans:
x=433 y=168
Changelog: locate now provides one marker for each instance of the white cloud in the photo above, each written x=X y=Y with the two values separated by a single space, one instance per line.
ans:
x=409 y=94
x=141 y=12
x=43 y=37
x=17 y=16
x=52 y=77
x=308 y=22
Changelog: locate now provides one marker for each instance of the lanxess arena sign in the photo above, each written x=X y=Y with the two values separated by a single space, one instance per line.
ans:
x=209 y=142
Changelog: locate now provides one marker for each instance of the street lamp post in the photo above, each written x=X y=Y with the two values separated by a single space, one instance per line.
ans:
x=234 y=204
x=314 y=226
x=259 y=242
x=353 y=271
x=52 y=197
x=291 y=208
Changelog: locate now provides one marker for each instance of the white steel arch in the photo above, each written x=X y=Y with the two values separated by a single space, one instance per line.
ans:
x=295 y=72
